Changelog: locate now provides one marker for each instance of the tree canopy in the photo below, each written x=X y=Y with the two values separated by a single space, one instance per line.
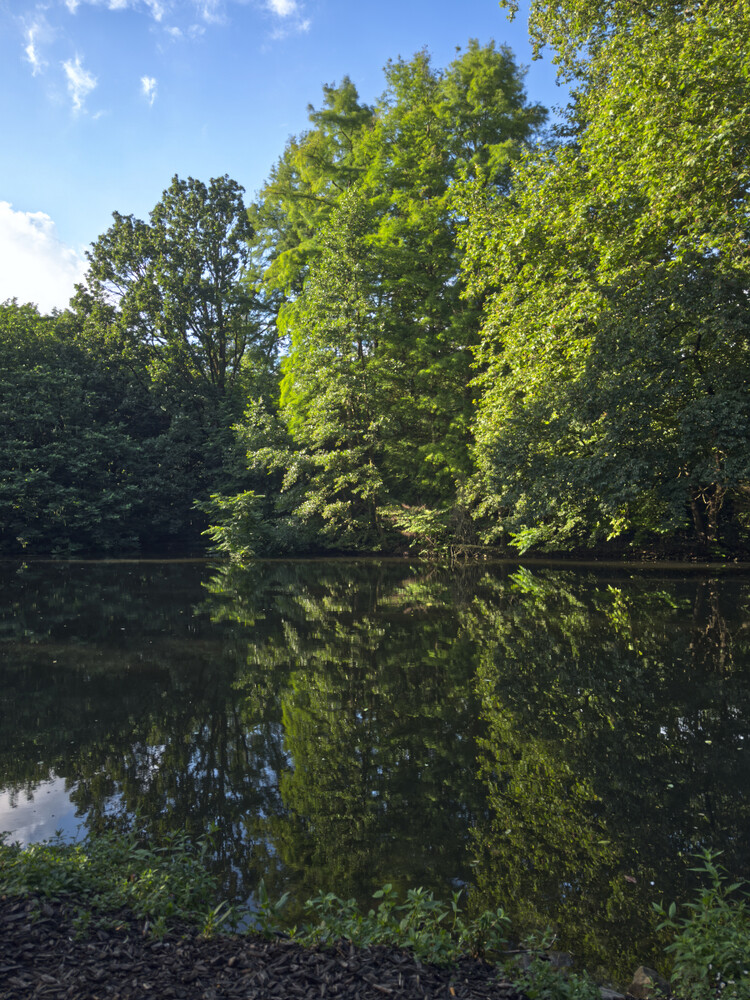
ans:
x=375 y=396
x=614 y=393
x=437 y=326
x=181 y=284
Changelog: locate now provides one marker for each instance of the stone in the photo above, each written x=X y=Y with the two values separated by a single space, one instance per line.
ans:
x=647 y=983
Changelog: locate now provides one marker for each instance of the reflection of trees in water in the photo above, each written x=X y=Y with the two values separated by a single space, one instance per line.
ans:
x=379 y=721
x=616 y=725
x=135 y=709
x=323 y=732
x=324 y=726
x=717 y=632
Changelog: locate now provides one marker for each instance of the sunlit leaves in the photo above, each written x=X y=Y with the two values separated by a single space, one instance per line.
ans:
x=616 y=341
x=375 y=392
x=177 y=284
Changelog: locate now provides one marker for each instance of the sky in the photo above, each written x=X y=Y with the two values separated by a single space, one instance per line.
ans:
x=102 y=102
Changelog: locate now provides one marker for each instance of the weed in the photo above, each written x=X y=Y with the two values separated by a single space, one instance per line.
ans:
x=158 y=927
x=220 y=917
x=81 y=924
x=434 y=931
x=711 y=947
x=267 y=915
x=108 y=872
x=541 y=980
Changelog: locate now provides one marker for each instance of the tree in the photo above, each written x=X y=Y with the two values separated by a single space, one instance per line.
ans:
x=176 y=298
x=578 y=30
x=80 y=443
x=335 y=385
x=181 y=285
x=616 y=340
x=315 y=170
x=375 y=390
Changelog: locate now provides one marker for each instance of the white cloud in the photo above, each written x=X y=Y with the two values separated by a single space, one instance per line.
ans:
x=289 y=18
x=36 y=33
x=212 y=11
x=37 y=63
x=157 y=8
x=148 y=88
x=34 y=265
x=80 y=82
x=283 y=8
x=180 y=13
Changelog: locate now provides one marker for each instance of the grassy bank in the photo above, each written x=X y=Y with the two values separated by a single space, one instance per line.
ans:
x=708 y=955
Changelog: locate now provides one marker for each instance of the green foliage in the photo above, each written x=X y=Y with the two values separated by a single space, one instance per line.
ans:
x=576 y=29
x=110 y=871
x=80 y=442
x=267 y=914
x=178 y=285
x=238 y=528
x=221 y=918
x=176 y=297
x=614 y=364
x=535 y=975
x=315 y=169
x=482 y=341
x=434 y=931
x=542 y=981
x=358 y=229
x=711 y=950
x=117 y=417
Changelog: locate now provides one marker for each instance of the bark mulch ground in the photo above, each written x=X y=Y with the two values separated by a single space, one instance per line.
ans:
x=41 y=958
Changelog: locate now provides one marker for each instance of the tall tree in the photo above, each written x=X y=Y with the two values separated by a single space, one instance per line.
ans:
x=375 y=391
x=177 y=297
x=180 y=284
x=577 y=30
x=616 y=343
x=314 y=171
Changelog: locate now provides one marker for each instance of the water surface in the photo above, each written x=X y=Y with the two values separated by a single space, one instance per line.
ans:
x=553 y=739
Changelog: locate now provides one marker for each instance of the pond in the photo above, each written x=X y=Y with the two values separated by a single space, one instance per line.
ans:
x=555 y=739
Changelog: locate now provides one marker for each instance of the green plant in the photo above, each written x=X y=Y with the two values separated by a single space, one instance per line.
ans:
x=711 y=947
x=267 y=915
x=541 y=979
x=219 y=917
x=111 y=871
x=434 y=931
x=81 y=924
x=158 y=927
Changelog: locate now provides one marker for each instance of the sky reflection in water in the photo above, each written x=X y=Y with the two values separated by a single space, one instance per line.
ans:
x=559 y=740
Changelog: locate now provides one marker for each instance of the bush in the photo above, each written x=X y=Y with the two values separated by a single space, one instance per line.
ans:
x=108 y=872
x=711 y=948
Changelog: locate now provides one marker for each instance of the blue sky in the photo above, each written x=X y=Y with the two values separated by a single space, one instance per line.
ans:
x=103 y=101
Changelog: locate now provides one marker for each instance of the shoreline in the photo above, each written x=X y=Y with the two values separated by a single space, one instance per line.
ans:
x=41 y=957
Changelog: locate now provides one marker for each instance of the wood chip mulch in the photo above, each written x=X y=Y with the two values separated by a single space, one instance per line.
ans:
x=41 y=958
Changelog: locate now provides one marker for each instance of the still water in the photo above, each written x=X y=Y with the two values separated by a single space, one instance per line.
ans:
x=557 y=740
